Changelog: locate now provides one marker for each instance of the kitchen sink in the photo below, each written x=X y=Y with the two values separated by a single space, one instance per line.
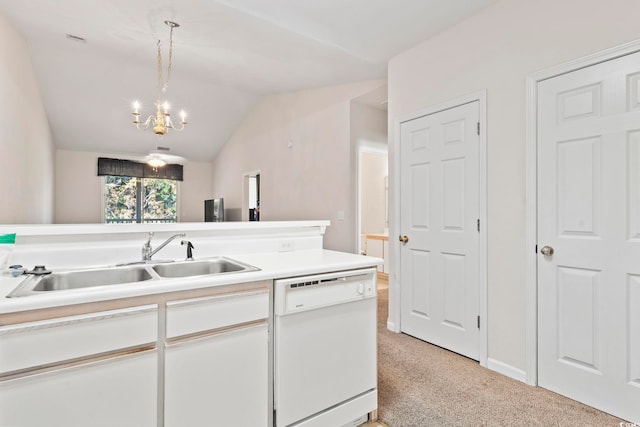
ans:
x=79 y=279
x=118 y=275
x=89 y=278
x=198 y=268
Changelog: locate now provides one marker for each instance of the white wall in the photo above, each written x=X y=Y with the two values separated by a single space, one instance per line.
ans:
x=496 y=49
x=79 y=189
x=194 y=190
x=311 y=179
x=26 y=144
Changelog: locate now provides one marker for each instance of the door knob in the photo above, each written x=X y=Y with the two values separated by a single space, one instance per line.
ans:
x=404 y=239
x=547 y=251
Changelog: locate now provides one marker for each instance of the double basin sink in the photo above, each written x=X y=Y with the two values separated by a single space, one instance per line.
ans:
x=79 y=279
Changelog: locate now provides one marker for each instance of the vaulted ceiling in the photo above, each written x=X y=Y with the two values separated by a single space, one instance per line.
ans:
x=227 y=54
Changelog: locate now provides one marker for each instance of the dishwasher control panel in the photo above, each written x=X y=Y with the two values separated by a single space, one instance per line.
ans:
x=311 y=292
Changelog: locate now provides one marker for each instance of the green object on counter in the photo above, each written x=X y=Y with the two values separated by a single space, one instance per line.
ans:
x=8 y=238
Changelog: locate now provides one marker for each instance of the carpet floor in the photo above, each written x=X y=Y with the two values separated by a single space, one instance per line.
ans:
x=422 y=385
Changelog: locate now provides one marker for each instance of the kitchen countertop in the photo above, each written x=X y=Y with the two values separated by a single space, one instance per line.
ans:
x=272 y=265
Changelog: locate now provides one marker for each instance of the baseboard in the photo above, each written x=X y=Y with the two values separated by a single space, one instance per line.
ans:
x=507 y=370
x=392 y=326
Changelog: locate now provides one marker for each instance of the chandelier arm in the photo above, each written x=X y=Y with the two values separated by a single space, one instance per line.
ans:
x=176 y=128
x=146 y=124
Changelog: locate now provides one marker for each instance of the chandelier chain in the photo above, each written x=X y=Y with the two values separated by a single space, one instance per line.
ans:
x=162 y=83
x=170 y=56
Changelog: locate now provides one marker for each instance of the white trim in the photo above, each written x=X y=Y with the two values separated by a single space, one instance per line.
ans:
x=507 y=370
x=484 y=225
x=179 y=202
x=393 y=323
x=102 y=197
x=531 y=234
x=531 y=292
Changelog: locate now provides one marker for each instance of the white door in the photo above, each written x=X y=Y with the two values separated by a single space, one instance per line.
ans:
x=439 y=203
x=589 y=213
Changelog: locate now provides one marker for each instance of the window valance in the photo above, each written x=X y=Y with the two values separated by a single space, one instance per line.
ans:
x=118 y=167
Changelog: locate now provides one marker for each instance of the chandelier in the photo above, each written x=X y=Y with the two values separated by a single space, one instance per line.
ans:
x=161 y=122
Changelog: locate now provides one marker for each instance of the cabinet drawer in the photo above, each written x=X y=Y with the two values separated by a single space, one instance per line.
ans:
x=204 y=314
x=52 y=341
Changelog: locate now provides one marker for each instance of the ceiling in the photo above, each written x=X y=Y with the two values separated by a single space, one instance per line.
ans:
x=227 y=54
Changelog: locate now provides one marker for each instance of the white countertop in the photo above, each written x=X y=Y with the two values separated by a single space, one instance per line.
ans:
x=39 y=230
x=272 y=265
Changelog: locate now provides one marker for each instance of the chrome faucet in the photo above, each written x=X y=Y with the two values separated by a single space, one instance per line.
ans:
x=148 y=252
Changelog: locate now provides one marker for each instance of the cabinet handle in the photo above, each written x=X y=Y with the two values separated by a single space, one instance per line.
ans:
x=184 y=339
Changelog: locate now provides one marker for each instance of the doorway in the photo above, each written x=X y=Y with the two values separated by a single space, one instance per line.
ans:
x=251 y=196
x=372 y=206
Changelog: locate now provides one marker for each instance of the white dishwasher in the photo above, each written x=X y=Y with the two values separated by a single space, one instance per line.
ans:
x=325 y=362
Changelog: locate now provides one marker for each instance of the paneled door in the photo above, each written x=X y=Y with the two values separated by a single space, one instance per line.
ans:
x=439 y=211
x=589 y=235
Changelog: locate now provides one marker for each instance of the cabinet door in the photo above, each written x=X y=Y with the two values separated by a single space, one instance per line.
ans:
x=119 y=391
x=218 y=380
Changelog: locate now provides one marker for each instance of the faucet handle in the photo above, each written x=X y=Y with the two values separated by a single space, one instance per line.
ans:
x=190 y=247
x=146 y=248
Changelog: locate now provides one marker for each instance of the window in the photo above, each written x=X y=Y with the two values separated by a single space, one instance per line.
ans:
x=142 y=200
x=137 y=192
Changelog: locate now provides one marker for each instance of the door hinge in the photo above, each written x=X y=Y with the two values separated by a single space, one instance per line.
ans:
x=478 y=225
x=536 y=248
x=478 y=128
x=478 y=322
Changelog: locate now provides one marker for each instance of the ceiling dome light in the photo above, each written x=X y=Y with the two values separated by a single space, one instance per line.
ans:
x=156 y=162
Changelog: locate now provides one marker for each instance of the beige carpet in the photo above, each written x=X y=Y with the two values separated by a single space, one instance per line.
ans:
x=423 y=385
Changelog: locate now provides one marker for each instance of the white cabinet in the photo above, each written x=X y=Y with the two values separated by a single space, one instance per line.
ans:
x=219 y=379
x=174 y=363
x=217 y=361
x=112 y=392
x=98 y=369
